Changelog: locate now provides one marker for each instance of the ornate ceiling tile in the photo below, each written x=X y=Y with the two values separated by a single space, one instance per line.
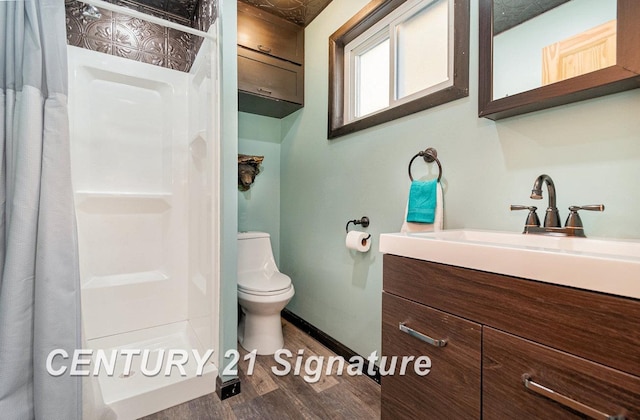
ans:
x=300 y=12
x=179 y=11
x=137 y=39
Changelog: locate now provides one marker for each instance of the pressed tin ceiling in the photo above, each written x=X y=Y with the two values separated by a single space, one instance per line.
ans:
x=181 y=11
x=507 y=13
x=510 y=13
x=136 y=39
x=300 y=12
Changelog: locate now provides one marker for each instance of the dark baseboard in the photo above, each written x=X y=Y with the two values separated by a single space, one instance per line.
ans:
x=328 y=341
x=228 y=388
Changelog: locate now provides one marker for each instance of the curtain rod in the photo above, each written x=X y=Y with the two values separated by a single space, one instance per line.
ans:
x=149 y=18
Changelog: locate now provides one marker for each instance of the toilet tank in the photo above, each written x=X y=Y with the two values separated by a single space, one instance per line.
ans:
x=254 y=252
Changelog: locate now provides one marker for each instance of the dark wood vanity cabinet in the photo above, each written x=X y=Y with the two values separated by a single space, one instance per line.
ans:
x=520 y=348
x=270 y=63
x=455 y=365
x=509 y=360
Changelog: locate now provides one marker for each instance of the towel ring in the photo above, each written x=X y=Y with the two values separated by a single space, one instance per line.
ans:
x=430 y=155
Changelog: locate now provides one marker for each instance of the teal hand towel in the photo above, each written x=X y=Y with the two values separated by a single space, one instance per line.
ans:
x=422 y=201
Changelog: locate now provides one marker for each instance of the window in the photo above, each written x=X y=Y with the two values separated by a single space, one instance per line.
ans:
x=369 y=78
x=397 y=57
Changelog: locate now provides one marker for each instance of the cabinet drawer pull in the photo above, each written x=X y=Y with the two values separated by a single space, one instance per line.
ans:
x=265 y=91
x=566 y=401
x=264 y=49
x=422 y=337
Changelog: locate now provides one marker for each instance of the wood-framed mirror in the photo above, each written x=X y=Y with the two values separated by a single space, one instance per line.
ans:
x=537 y=55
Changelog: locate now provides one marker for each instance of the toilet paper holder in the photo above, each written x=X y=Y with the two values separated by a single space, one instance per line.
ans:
x=364 y=221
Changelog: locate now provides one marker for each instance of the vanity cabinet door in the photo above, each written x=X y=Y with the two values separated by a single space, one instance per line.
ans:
x=451 y=390
x=575 y=382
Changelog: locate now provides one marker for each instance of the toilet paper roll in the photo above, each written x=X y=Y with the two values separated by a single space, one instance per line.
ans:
x=358 y=241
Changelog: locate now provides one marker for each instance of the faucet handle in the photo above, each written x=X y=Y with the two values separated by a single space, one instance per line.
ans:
x=532 y=217
x=574 y=221
x=591 y=207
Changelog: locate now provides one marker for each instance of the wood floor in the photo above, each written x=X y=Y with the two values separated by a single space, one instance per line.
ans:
x=268 y=396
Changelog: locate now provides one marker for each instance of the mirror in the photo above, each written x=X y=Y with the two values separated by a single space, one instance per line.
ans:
x=536 y=55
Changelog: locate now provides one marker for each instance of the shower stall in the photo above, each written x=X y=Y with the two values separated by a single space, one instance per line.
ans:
x=144 y=150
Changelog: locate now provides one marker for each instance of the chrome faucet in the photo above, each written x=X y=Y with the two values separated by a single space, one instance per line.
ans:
x=552 y=215
x=552 y=226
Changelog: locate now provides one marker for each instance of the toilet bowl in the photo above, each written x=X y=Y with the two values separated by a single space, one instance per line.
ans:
x=263 y=291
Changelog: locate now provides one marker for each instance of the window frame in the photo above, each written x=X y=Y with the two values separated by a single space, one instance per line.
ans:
x=374 y=12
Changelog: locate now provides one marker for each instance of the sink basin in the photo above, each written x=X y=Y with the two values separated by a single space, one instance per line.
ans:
x=603 y=265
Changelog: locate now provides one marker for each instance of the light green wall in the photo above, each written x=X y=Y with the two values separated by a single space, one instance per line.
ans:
x=259 y=208
x=591 y=149
x=229 y=173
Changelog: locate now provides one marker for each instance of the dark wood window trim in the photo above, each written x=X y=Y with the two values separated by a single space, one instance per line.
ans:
x=623 y=76
x=363 y=20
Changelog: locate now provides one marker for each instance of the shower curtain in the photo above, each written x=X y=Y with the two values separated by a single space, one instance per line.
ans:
x=39 y=280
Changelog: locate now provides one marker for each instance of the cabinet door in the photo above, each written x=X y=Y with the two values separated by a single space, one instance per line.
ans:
x=451 y=390
x=268 y=34
x=581 y=388
x=269 y=77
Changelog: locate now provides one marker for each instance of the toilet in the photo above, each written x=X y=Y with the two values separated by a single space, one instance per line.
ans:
x=263 y=292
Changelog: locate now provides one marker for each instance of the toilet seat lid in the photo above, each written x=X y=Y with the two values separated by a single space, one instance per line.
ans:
x=260 y=281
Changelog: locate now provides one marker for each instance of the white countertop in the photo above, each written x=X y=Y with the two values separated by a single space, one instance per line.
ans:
x=602 y=265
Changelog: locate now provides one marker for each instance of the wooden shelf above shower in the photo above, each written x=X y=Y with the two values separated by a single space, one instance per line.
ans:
x=270 y=63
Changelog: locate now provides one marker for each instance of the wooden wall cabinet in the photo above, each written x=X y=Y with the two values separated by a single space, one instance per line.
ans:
x=501 y=330
x=270 y=63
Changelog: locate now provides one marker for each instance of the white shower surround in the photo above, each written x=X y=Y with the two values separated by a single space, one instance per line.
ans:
x=144 y=146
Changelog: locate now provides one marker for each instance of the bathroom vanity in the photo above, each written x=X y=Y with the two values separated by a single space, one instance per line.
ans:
x=511 y=343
